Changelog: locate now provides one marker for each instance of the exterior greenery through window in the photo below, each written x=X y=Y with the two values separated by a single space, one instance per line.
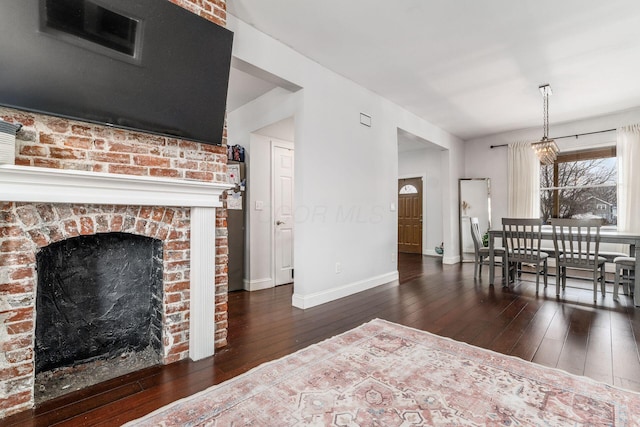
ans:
x=580 y=184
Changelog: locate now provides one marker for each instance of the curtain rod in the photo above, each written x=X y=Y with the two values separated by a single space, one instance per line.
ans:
x=566 y=136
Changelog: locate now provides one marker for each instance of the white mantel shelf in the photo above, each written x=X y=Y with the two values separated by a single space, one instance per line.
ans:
x=42 y=185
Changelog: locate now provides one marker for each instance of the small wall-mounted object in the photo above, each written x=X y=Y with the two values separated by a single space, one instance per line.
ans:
x=8 y=142
x=235 y=153
x=365 y=119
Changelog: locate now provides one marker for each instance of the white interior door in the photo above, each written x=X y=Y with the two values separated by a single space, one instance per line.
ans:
x=283 y=213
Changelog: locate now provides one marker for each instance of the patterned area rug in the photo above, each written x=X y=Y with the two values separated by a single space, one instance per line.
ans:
x=384 y=374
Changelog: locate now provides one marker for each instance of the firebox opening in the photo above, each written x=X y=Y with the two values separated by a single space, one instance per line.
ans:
x=98 y=309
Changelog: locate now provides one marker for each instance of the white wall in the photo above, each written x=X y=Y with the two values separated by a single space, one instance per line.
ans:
x=426 y=163
x=346 y=173
x=484 y=162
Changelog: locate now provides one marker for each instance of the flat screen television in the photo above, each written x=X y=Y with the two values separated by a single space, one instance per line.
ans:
x=145 y=65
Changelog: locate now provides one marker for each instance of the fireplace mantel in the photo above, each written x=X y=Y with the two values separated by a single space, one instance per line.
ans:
x=42 y=185
x=45 y=185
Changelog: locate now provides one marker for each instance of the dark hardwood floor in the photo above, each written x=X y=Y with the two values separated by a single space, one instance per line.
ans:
x=601 y=342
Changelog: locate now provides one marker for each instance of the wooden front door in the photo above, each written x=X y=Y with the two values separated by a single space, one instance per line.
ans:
x=410 y=215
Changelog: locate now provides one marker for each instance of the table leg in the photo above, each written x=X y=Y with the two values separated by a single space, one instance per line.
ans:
x=635 y=250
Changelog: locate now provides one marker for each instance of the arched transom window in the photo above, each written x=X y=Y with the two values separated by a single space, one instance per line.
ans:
x=408 y=189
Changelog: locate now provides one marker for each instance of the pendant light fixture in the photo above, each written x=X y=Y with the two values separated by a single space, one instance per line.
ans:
x=546 y=148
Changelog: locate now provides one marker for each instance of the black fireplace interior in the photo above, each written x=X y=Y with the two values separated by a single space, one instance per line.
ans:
x=98 y=296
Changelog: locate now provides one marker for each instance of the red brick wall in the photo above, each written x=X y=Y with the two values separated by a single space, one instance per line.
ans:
x=52 y=142
x=213 y=10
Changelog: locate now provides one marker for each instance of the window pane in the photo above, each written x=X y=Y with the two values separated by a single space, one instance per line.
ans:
x=408 y=189
x=584 y=189
x=587 y=172
x=585 y=203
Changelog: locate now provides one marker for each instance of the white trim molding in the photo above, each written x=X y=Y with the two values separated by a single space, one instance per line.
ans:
x=202 y=326
x=308 y=301
x=258 y=284
x=44 y=185
x=40 y=185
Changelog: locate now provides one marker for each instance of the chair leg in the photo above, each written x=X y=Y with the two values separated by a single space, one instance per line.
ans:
x=558 y=278
x=603 y=286
x=626 y=275
x=512 y=272
x=475 y=266
x=595 y=285
x=616 y=283
x=537 y=278
x=546 y=275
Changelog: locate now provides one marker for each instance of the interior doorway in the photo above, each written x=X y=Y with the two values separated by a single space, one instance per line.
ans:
x=410 y=215
x=282 y=167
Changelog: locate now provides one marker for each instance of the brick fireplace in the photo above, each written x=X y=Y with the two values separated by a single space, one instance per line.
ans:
x=41 y=206
x=76 y=179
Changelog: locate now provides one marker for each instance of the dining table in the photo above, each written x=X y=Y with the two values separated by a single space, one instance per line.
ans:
x=606 y=236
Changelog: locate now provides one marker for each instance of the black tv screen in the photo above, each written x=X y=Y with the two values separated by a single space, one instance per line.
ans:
x=145 y=65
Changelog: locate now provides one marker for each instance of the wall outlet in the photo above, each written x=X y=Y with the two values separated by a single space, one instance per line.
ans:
x=259 y=205
x=394 y=255
x=338 y=268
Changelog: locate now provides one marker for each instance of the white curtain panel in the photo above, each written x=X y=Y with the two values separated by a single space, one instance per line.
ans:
x=628 y=152
x=523 y=180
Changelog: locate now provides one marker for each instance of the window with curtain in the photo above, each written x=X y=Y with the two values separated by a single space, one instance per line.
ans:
x=580 y=184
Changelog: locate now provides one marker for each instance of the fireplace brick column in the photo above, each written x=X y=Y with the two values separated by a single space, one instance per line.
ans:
x=55 y=143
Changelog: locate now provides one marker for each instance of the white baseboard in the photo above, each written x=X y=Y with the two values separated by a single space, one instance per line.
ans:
x=257 y=285
x=308 y=301
x=451 y=259
x=445 y=259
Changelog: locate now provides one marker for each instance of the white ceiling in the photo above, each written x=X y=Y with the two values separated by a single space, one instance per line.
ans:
x=471 y=67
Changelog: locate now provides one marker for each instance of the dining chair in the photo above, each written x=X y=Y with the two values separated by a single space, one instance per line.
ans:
x=481 y=252
x=521 y=238
x=625 y=275
x=577 y=242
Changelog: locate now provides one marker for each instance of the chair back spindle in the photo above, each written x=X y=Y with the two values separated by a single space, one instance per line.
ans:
x=577 y=239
